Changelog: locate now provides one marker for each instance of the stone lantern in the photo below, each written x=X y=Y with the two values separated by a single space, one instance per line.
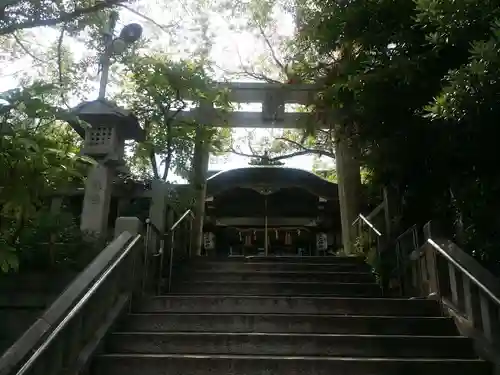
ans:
x=104 y=141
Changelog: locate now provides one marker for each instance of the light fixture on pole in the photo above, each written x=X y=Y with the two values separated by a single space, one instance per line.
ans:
x=130 y=34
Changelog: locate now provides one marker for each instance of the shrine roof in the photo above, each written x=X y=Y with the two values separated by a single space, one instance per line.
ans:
x=270 y=176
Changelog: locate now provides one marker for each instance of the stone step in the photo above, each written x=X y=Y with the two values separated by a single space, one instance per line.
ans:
x=270 y=266
x=286 y=344
x=285 y=259
x=277 y=288
x=288 y=305
x=169 y=364
x=281 y=323
x=271 y=276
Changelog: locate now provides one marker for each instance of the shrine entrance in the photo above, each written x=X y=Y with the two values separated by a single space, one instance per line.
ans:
x=271 y=211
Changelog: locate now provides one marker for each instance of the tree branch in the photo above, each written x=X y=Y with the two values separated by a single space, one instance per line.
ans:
x=60 y=65
x=152 y=154
x=271 y=159
x=291 y=155
x=27 y=51
x=63 y=17
x=165 y=28
x=320 y=152
x=239 y=153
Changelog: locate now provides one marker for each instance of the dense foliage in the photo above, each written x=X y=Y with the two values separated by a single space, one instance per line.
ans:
x=160 y=91
x=37 y=156
x=416 y=83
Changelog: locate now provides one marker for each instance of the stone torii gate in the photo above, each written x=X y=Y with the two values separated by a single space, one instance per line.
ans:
x=273 y=98
x=111 y=125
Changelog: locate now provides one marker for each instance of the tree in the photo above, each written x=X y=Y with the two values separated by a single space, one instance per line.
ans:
x=401 y=78
x=157 y=95
x=17 y=15
x=37 y=156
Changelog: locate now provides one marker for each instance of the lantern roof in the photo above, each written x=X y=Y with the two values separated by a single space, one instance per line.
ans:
x=102 y=112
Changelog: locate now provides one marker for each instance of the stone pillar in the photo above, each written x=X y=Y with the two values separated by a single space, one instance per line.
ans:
x=128 y=224
x=158 y=209
x=104 y=141
x=56 y=205
x=349 y=185
x=199 y=183
x=96 y=201
x=123 y=204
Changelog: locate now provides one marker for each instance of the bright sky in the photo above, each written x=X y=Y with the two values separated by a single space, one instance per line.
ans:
x=230 y=48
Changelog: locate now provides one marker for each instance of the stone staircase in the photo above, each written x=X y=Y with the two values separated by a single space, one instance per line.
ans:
x=284 y=316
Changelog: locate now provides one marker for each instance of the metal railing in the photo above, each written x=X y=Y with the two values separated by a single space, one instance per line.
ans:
x=406 y=243
x=369 y=243
x=175 y=242
x=439 y=268
x=65 y=336
x=180 y=245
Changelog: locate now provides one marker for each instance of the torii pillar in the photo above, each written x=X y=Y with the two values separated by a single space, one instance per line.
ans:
x=349 y=185
x=205 y=116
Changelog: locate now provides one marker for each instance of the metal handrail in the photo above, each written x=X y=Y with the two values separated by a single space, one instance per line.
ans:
x=46 y=328
x=409 y=230
x=481 y=286
x=161 y=253
x=76 y=308
x=402 y=255
x=171 y=231
x=372 y=227
x=176 y=224
x=153 y=226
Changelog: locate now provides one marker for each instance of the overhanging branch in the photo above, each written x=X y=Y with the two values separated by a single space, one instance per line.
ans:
x=308 y=150
x=61 y=18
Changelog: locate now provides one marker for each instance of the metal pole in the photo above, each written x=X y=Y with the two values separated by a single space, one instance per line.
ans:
x=172 y=249
x=266 y=244
x=106 y=55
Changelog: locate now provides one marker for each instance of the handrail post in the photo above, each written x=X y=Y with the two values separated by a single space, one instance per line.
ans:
x=431 y=262
x=170 y=266
x=190 y=235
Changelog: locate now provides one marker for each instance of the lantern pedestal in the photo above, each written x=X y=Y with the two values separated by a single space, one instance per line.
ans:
x=109 y=127
x=97 y=199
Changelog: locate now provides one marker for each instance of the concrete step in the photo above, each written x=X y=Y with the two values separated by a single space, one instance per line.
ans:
x=272 y=266
x=136 y=364
x=281 y=323
x=272 y=276
x=286 y=344
x=308 y=259
x=288 y=305
x=277 y=288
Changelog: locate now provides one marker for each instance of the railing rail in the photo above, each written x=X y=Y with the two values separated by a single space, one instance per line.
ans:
x=368 y=239
x=171 y=242
x=481 y=281
x=65 y=336
x=406 y=243
x=440 y=269
x=188 y=245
